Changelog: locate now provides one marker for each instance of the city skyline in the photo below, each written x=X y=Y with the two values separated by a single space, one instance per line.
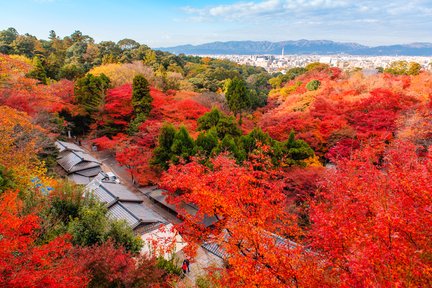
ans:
x=167 y=23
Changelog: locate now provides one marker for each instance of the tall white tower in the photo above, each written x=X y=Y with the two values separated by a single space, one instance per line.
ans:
x=283 y=51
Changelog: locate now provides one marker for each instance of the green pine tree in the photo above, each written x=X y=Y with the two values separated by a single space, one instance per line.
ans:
x=237 y=97
x=297 y=151
x=162 y=153
x=38 y=71
x=183 y=145
x=90 y=92
x=207 y=141
x=228 y=144
x=141 y=98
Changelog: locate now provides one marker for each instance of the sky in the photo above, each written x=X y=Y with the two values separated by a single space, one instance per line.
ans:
x=163 y=23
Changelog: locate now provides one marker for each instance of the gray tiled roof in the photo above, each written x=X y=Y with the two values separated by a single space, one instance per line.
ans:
x=158 y=196
x=122 y=203
x=109 y=192
x=99 y=177
x=84 y=165
x=75 y=161
x=62 y=146
x=280 y=241
x=193 y=210
x=69 y=160
x=134 y=214
x=148 y=189
x=121 y=192
x=91 y=172
x=102 y=195
x=215 y=249
x=118 y=212
x=142 y=212
x=79 y=179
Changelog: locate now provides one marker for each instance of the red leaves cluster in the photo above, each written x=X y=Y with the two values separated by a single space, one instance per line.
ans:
x=373 y=224
x=105 y=143
x=250 y=206
x=22 y=263
x=168 y=108
x=136 y=159
x=118 y=106
x=136 y=152
x=25 y=94
x=345 y=113
x=110 y=266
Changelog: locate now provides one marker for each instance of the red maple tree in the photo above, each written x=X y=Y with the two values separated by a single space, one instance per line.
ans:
x=251 y=222
x=373 y=223
x=25 y=264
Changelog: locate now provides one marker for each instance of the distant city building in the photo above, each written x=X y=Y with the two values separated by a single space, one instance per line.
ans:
x=284 y=62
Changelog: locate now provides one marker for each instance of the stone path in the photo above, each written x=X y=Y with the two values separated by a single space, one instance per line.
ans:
x=203 y=259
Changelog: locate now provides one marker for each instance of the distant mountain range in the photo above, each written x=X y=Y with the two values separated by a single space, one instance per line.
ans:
x=320 y=47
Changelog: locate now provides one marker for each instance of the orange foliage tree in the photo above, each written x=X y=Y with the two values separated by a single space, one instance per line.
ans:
x=19 y=146
x=25 y=94
x=135 y=152
x=110 y=266
x=346 y=112
x=373 y=223
x=22 y=263
x=252 y=224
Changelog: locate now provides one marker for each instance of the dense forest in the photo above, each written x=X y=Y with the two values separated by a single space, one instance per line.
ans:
x=317 y=177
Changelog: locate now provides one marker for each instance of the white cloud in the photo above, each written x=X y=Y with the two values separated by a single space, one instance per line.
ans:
x=366 y=21
x=301 y=8
x=266 y=7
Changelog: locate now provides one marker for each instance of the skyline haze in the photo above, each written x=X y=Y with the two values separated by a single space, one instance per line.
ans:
x=168 y=23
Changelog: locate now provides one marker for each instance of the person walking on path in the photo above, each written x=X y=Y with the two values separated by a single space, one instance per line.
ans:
x=187 y=264
x=184 y=267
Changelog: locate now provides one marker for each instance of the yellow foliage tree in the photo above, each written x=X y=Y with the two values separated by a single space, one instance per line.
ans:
x=120 y=74
x=18 y=147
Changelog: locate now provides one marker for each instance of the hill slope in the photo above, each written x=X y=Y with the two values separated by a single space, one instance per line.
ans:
x=322 y=47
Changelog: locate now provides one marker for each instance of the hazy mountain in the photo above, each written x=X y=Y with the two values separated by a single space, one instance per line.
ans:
x=321 y=47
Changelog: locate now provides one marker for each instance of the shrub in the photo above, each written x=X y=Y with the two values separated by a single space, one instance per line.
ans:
x=313 y=85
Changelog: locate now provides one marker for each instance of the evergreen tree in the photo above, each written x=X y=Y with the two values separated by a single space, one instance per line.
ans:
x=183 y=145
x=93 y=226
x=162 y=153
x=237 y=96
x=224 y=125
x=313 y=85
x=135 y=123
x=228 y=126
x=141 y=102
x=210 y=119
x=256 y=135
x=90 y=91
x=296 y=151
x=141 y=98
x=228 y=144
x=7 y=37
x=207 y=141
x=123 y=235
x=38 y=71
x=6 y=179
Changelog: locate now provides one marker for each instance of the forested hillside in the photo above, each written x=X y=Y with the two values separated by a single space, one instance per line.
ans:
x=317 y=177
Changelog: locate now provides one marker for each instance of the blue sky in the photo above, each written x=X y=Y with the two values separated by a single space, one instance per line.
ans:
x=167 y=23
